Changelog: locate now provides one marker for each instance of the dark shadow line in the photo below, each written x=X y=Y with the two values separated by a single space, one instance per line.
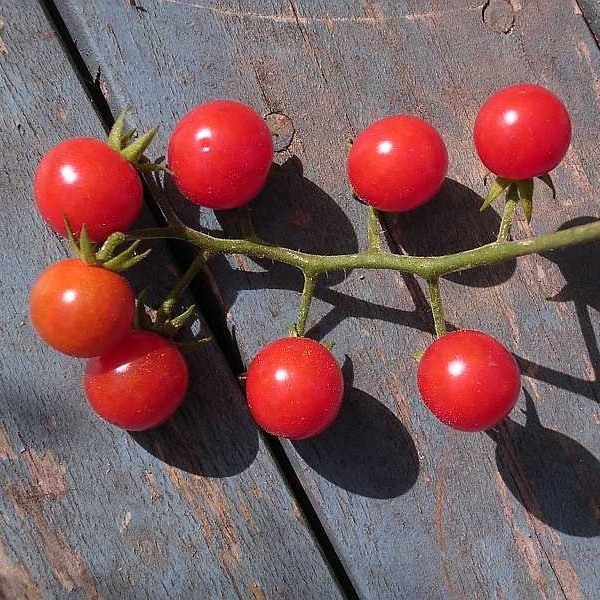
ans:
x=221 y=334
x=589 y=338
x=558 y=379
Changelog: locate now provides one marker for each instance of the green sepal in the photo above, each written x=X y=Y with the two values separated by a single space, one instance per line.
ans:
x=71 y=236
x=85 y=249
x=127 y=137
x=170 y=327
x=134 y=151
x=115 y=137
x=548 y=181
x=176 y=323
x=525 y=194
x=127 y=258
x=328 y=344
x=141 y=319
x=293 y=330
x=418 y=355
x=113 y=241
x=500 y=184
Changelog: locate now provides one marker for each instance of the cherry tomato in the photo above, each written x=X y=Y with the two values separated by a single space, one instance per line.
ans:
x=138 y=384
x=81 y=310
x=522 y=131
x=88 y=183
x=221 y=153
x=294 y=388
x=397 y=163
x=469 y=380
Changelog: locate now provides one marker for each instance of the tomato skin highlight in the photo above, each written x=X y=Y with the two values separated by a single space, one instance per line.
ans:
x=139 y=384
x=81 y=310
x=398 y=163
x=294 y=388
x=522 y=131
x=89 y=183
x=468 y=380
x=221 y=153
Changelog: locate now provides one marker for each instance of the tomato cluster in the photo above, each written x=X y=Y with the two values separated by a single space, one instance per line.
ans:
x=220 y=154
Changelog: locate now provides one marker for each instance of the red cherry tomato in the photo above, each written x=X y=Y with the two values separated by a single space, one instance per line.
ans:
x=81 y=310
x=397 y=163
x=294 y=388
x=221 y=153
x=522 y=131
x=88 y=183
x=469 y=380
x=139 y=384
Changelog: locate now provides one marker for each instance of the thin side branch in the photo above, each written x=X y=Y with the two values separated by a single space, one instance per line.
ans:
x=437 y=308
x=310 y=281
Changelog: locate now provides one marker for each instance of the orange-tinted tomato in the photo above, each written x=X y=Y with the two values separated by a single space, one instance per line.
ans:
x=81 y=310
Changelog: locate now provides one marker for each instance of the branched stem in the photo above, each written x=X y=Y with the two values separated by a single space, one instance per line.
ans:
x=437 y=309
x=169 y=302
x=427 y=267
x=310 y=280
x=430 y=268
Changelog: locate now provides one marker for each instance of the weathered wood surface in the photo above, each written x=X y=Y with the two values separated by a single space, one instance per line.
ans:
x=196 y=509
x=414 y=509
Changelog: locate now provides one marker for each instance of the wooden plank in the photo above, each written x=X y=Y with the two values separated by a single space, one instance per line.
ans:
x=195 y=509
x=414 y=509
x=591 y=11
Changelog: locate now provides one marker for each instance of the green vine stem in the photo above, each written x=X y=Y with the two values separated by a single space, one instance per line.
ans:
x=160 y=199
x=437 y=309
x=430 y=268
x=427 y=267
x=373 y=233
x=310 y=281
x=164 y=312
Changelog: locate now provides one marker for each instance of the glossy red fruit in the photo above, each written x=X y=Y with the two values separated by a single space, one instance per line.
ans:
x=139 y=384
x=221 y=153
x=469 y=380
x=81 y=310
x=88 y=183
x=397 y=163
x=522 y=131
x=294 y=388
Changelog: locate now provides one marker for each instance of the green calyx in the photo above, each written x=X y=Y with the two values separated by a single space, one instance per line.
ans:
x=132 y=150
x=161 y=320
x=522 y=190
x=518 y=192
x=105 y=256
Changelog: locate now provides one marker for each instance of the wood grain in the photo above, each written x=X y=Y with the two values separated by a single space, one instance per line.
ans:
x=414 y=509
x=195 y=509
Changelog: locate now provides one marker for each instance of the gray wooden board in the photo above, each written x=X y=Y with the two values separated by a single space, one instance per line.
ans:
x=196 y=509
x=591 y=11
x=414 y=509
